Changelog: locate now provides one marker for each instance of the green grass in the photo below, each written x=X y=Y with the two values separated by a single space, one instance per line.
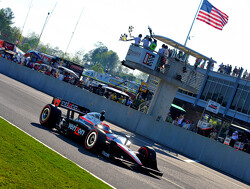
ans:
x=26 y=163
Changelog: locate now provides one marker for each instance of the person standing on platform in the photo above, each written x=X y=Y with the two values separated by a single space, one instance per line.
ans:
x=138 y=40
x=234 y=138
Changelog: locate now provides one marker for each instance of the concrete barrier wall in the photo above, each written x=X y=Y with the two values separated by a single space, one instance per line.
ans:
x=206 y=150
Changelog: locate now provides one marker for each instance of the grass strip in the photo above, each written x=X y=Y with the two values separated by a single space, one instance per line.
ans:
x=26 y=163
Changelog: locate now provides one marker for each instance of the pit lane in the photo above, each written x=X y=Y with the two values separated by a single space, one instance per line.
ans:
x=22 y=105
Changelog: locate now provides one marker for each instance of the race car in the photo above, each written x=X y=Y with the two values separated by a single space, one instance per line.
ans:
x=89 y=128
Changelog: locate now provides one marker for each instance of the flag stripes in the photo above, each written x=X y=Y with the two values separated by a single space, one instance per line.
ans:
x=212 y=16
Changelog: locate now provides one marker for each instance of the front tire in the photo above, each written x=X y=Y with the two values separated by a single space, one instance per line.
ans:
x=50 y=116
x=95 y=140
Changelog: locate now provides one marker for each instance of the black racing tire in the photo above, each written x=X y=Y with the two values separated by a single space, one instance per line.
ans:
x=147 y=155
x=50 y=116
x=95 y=140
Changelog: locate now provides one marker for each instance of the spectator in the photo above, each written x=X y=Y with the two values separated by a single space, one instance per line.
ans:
x=166 y=52
x=180 y=120
x=230 y=69
x=161 y=50
x=234 y=71
x=150 y=41
x=161 y=61
x=129 y=102
x=145 y=42
x=120 y=99
x=212 y=67
x=227 y=69
x=153 y=45
x=107 y=95
x=234 y=138
x=61 y=76
x=197 y=62
x=113 y=97
x=169 y=118
x=180 y=55
x=186 y=125
x=203 y=64
x=138 y=40
x=245 y=74
x=175 y=122
x=221 y=66
x=238 y=72
x=213 y=134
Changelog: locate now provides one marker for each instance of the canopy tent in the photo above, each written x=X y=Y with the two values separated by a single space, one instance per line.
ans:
x=29 y=53
x=240 y=128
x=182 y=48
x=19 y=51
x=117 y=91
x=178 y=107
x=71 y=72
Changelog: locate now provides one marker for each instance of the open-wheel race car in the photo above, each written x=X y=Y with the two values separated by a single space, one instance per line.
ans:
x=89 y=128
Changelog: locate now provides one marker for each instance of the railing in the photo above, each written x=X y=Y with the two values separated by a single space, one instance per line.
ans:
x=172 y=68
x=192 y=78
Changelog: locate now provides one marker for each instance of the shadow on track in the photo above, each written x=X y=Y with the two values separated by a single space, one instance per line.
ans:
x=158 y=148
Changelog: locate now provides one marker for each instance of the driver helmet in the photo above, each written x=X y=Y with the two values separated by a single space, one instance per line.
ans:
x=102 y=118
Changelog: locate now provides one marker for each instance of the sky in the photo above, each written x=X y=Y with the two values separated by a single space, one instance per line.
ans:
x=106 y=20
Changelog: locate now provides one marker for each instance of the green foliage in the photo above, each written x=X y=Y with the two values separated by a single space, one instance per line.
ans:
x=6 y=20
x=101 y=55
x=98 y=68
x=31 y=39
x=78 y=57
x=26 y=163
x=126 y=76
x=43 y=49
x=25 y=47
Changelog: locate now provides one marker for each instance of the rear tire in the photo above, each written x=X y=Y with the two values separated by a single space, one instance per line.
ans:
x=147 y=155
x=50 y=116
x=95 y=140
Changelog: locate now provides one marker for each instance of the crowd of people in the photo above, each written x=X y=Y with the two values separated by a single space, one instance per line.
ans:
x=224 y=69
x=164 y=52
x=228 y=69
x=181 y=122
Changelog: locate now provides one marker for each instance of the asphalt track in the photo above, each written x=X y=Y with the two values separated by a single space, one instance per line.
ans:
x=21 y=105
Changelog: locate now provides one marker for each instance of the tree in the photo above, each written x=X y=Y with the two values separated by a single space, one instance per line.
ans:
x=25 y=47
x=32 y=39
x=16 y=34
x=6 y=20
x=78 y=57
x=98 y=68
x=101 y=55
x=142 y=76
x=43 y=49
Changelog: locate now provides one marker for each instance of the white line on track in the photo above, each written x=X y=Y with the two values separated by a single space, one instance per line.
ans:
x=57 y=152
x=189 y=161
x=173 y=183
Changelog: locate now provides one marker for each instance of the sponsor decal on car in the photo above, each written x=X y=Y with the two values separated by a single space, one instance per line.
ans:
x=77 y=130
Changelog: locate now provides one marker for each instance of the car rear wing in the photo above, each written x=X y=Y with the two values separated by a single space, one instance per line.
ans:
x=69 y=106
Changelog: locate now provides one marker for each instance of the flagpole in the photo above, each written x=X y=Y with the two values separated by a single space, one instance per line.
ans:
x=193 y=22
x=71 y=37
x=21 y=34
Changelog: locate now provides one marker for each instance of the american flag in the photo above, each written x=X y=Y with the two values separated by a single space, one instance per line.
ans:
x=212 y=16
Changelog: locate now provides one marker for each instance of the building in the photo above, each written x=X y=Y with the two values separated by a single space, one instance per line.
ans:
x=232 y=93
